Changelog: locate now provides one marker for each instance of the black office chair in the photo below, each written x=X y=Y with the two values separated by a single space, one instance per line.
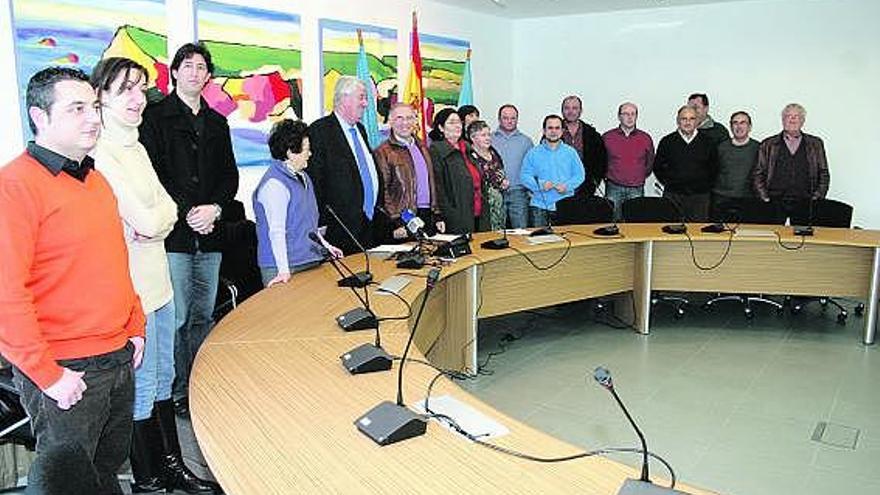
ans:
x=239 y=274
x=824 y=213
x=15 y=427
x=652 y=209
x=649 y=209
x=751 y=211
x=579 y=211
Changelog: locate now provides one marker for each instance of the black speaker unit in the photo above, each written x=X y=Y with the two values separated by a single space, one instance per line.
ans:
x=456 y=248
x=366 y=358
x=411 y=261
x=388 y=423
x=357 y=319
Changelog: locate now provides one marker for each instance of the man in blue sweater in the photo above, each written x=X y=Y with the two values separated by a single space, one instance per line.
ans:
x=551 y=170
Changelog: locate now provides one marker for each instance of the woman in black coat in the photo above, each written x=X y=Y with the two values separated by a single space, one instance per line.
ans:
x=460 y=186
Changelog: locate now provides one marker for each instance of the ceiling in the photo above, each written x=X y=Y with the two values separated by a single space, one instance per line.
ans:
x=519 y=9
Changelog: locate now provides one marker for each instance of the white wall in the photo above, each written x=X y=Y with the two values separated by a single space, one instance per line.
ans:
x=751 y=55
x=490 y=39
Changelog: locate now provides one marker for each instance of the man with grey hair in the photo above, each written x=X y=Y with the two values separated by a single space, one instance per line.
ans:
x=792 y=168
x=343 y=170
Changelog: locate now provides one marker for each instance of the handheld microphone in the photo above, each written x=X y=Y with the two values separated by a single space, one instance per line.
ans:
x=359 y=279
x=679 y=228
x=414 y=259
x=365 y=358
x=549 y=228
x=414 y=225
x=391 y=422
x=608 y=230
x=643 y=485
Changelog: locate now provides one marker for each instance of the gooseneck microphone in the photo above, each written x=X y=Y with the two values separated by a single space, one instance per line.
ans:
x=365 y=358
x=359 y=279
x=643 y=485
x=608 y=230
x=549 y=228
x=391 y=422
x=679 y=228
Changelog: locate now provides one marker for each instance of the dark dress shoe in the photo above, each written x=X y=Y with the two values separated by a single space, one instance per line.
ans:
x=179 y=477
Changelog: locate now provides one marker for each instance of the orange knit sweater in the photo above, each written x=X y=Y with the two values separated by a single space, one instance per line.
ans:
x=65 y=290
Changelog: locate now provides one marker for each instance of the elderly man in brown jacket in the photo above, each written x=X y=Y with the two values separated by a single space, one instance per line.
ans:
x=404 y=165
x=792 y=169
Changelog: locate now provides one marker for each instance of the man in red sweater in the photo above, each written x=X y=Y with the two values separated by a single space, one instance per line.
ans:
x=70 y=321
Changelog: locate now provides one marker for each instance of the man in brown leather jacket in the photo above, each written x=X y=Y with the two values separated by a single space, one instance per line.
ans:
x=404 y=166
x=792 y=169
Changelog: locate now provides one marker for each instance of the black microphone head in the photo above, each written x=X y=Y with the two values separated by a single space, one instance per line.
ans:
x=603 y=377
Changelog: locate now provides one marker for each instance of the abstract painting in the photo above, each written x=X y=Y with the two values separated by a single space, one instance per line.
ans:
x=257 y=78
x=339 y=53
x=79 y=33
x=443 y=61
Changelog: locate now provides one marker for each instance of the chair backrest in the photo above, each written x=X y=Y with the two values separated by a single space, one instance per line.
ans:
x=579 y=211
x=825 y=213
x=755 y=210
x=649 y=209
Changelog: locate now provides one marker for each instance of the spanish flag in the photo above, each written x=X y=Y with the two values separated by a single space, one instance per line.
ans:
x=413 y=93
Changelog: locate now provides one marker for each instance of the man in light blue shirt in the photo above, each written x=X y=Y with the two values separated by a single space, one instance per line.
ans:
x=551 y=171
x=512 y=146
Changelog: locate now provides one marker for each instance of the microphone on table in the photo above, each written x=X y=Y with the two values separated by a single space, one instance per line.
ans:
x=365 y=358
x=679 y=228
x=608 y=230
x=549 y=228
x=643 y=485
x=359 y=279
x=391 y=422
x=414 y=259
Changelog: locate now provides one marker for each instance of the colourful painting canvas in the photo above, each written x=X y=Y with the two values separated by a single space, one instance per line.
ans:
x=339 y=52
x=79 y=33
x=443 y=61
x=257 y=72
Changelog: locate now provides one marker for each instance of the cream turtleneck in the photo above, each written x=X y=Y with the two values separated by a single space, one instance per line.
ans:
x=148 y=212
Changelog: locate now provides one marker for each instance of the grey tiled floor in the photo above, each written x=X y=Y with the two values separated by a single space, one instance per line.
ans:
x=732 y=404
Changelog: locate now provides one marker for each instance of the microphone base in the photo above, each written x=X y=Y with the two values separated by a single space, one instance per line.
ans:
x=713 y=228
x=803 y=231
x=357 y=319
x=359 y=280
x=411 y=261
x=389 y=423
x=366 y=358
x=675 y=228
x=496 y=244
x=542 y=231
x=608 y=230
x=639 y=487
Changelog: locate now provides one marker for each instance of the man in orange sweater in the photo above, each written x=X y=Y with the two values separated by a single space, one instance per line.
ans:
x=70 y=321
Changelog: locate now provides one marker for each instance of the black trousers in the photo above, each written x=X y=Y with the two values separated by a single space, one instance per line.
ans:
x=100 y=423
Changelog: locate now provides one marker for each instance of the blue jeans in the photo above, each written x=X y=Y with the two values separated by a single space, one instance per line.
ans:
x=153 y=380
x=618 y=195
x=516 y=200
x=540 y=216
x=194 y=278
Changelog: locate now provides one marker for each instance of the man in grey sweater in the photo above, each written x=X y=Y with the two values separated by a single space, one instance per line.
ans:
x=737 y=157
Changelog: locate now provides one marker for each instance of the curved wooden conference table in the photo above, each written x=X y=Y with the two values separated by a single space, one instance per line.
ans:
x=273 y=409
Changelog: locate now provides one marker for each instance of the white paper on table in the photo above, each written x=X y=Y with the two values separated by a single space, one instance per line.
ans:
x=516 y=232
x=390 y=248
x=544 y=239
x=469 y=419
x=443 y=237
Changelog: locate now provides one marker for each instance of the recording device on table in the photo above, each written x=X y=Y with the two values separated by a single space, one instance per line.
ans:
x=643 y=485
x=608 y=230
x=549 y=228
x=679 y=228
x=359 y=279
x=365 y=358
x=391 y=422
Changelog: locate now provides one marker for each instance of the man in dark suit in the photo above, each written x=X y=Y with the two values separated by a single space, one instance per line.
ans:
x=342 y=168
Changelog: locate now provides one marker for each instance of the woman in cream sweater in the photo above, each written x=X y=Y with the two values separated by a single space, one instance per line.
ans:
x=148 y=215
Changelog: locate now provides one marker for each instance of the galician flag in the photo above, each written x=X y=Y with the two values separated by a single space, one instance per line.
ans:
x=413 y=93
x=370 y=120
x=466 y=96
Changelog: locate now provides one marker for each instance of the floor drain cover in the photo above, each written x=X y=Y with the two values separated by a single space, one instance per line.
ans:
x=836 y=435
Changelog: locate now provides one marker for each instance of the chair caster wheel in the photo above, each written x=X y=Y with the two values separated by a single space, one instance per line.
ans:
x=860 y=309
x=679 y=314
x=841 y=319
x=795 y=309
x=749 y=313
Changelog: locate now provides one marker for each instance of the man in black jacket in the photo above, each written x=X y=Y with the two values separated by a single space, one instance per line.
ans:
x=686 y=165
x=343 y=171
x=191 y=149
x=587 y=142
